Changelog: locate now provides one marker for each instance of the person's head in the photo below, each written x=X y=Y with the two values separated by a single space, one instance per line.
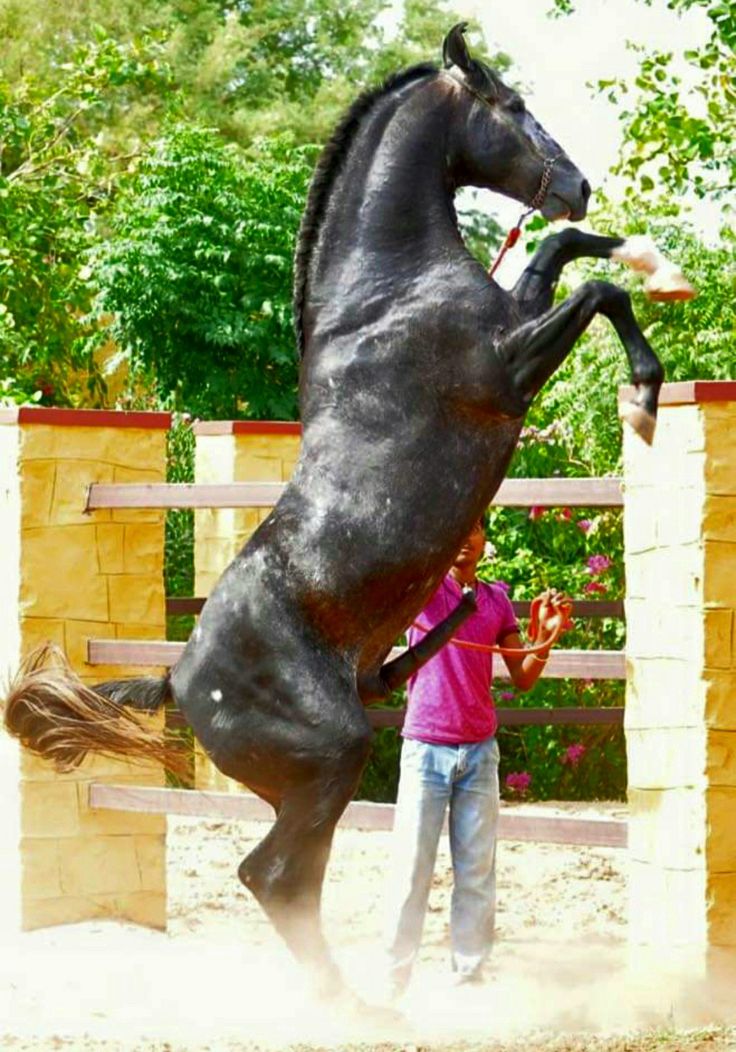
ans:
x=472 y=547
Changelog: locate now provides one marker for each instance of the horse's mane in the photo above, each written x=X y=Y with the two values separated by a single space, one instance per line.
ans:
x=326 y=171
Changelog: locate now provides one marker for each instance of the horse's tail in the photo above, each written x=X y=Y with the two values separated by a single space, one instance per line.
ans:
x=58 y=717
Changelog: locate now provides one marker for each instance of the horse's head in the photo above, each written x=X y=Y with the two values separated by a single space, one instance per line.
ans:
x=499 y=145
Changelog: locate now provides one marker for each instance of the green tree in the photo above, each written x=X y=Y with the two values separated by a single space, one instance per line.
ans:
x=196 y=272
x=57 y=177
x=247 y=69
x=692 y=339
x=679 y=136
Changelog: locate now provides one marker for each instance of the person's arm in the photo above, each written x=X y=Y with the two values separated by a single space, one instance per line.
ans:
x=523 y=670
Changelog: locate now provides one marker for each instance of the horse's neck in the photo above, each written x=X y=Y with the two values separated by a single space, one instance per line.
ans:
x=392 y=199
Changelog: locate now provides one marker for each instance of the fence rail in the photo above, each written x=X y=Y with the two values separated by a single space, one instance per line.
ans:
x=177 y=605
x=565 y=715
x=562 y=664
x=513 y=493
x=552 y=829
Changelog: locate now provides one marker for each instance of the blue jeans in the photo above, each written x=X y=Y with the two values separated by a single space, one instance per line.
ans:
x=465 y=777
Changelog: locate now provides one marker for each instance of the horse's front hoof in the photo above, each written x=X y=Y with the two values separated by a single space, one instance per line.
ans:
x=639 y=419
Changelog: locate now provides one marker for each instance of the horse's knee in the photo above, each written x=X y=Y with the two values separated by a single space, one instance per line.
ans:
x=603 y=296
x=567 y=239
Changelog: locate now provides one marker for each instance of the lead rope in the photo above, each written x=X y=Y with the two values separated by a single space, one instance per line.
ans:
x=564 y=609
x=536 y=202
x=488 y=648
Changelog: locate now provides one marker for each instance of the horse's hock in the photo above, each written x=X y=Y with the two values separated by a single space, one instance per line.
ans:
x=70 y=576
x=66 y=576
x=680 y=716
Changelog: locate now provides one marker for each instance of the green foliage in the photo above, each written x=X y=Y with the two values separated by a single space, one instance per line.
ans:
x=196 y=272
x=380 y=780
x=56 y=181
x=581 y=552
x=695 y=339
x=179 y=536
x=678 y=132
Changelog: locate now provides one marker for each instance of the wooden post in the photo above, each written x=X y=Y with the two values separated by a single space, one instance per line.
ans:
x=680 y=542
x=67 y=576
x=233 y=451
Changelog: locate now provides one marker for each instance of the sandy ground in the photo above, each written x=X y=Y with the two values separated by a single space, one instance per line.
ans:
x=220 y=979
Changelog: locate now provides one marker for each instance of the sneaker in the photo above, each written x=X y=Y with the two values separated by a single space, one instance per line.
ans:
x=474 y=978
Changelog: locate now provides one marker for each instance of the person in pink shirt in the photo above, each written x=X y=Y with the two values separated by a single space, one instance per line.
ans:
x=449 y=759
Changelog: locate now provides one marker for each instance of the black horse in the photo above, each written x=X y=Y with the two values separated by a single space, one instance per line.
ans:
x=417 y=373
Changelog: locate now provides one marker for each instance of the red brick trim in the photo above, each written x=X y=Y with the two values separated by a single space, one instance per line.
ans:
x=691 y=392
x=247 y=427
x=31 y=414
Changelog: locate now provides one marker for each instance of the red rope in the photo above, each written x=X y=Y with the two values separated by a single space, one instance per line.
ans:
x=487 y=648
x=511 y=238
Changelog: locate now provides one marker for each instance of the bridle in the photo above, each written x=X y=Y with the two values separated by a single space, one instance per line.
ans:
x=539 y=197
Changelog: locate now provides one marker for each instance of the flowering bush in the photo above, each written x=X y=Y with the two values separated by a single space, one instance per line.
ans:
x=518 y=782
x=573 y=754
x=581 y=552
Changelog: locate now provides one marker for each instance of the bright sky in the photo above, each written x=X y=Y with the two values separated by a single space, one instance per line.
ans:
x=555 y=58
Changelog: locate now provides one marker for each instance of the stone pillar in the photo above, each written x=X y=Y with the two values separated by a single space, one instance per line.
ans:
x=67 y=576
x=234 y=451
x=680 y=543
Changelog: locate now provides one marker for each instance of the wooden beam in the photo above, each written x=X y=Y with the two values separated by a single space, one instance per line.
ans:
x=179 y=605
x=183 y=495
x=564 y=715
x=538 y=827
x=559 y=492
x=563 y=664
x=513 y=493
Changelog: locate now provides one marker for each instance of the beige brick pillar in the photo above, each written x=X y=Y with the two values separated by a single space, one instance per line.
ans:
x=234 y=451
x=68 y=576
x=680 y=542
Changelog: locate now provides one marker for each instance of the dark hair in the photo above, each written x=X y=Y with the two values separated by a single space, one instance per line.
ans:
x=485 y=520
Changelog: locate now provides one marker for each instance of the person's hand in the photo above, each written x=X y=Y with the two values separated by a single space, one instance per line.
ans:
x=549 y=616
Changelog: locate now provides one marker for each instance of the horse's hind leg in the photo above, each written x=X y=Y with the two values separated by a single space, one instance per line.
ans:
x=534 y=351
x=286 y=870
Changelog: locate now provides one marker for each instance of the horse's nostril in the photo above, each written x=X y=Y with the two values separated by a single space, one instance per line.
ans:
x=585 y=189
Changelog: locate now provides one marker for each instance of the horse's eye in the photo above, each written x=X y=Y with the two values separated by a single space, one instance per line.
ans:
x=517 y=106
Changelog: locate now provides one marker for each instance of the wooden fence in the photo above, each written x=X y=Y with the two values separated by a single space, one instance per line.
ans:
x=563 y=664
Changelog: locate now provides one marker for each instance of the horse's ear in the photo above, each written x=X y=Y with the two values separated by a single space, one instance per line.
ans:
x=455 y=50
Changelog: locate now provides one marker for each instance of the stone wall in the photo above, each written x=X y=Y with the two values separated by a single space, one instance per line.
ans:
x=680 y=540
x=70 y=576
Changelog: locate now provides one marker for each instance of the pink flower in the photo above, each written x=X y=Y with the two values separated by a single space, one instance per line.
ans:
x=598 y=564
x=573 y=754
x=536 y=512
x=507 y=695
x=595 y=586
x=584 y=524
x=519 y=781
x=564 y=515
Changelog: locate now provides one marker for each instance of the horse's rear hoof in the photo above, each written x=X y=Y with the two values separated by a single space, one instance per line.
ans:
x=639 y=419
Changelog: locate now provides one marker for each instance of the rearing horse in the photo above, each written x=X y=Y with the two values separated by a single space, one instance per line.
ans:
x=417 y=373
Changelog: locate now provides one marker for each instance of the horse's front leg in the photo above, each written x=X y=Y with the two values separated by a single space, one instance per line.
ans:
x=533 y=352
x=535 y=289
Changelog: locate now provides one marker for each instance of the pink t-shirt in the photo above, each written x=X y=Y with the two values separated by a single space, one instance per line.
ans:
x=449 y=698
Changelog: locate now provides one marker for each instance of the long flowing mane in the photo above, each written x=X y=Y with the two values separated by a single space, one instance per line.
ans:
x=326 y=171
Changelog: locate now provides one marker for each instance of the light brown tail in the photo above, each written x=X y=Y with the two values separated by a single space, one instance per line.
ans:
x=58 y=717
